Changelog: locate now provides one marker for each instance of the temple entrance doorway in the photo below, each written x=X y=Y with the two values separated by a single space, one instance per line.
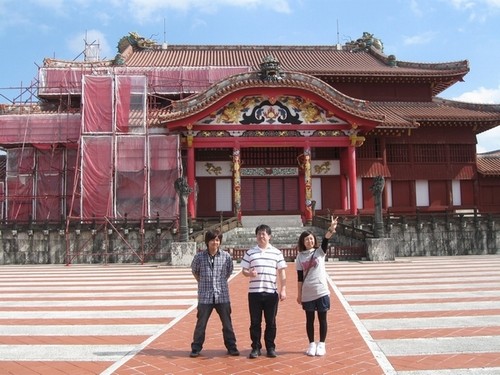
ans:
x=276 y=195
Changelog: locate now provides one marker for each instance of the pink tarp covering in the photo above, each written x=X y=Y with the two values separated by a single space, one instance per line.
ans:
x=164 y=170
x=97 y=104
x=40 y=128
x=36 y=181
x=97 y=176
x=72 y=194
x=117 y=173
x=64 y=80
x=131 y=177
x=2 y=198
x=160 y=79
x=132 y=190
x=20 y=168
x=49 y=184
x=130 y=104
x=183 y=79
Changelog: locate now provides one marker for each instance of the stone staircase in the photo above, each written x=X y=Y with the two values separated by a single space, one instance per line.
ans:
x=285 y=232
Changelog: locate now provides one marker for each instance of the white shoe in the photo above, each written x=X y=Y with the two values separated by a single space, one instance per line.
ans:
x=320 y=349
x=311 y=351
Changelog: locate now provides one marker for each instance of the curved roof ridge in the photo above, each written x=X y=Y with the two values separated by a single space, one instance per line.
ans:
x=195 y=103
x=391 y=60
x=467 y=105
x=284 y=47
x=489 y=154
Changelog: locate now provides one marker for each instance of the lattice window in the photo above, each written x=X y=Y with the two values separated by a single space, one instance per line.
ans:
x=279 y=156
x=325 y=153
x=397 y=153
x=462 y=153
x=213 y=154
x=370 y=150
x=429 y=153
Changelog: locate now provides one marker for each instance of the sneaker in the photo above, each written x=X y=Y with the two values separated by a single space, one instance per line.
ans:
x=194 y=353
x=320 y=348
x=311 y=351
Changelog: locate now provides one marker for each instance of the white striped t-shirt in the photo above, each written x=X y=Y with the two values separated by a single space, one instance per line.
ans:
x=266 y=262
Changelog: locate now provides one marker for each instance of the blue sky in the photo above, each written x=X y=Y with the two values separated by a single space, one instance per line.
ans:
x=413 y=30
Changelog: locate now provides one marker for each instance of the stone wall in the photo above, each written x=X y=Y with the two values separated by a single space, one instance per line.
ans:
x=83 y=246
x=464 y=236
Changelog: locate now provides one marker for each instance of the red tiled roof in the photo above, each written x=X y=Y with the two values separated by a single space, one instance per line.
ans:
x=314 y=60
x=488 y=164
x=397 y=114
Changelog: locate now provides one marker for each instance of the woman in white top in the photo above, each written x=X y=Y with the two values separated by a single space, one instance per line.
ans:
x=313 y=290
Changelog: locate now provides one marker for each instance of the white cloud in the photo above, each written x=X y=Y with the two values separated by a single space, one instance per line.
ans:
x=144 y=10
x=478 y=10
x=493 y=3
x=481 y=95
x=462 y=4
x=423 y=38
x=55 y=5
x=76 y=44
x=489 y=140
x=415 y=8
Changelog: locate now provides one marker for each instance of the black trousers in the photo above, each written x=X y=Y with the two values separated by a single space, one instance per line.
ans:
x=204 y=312
x=267 y=304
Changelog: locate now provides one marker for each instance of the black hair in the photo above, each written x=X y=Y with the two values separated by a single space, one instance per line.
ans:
x=263 y=227
x=211 y=234
x=304 y=234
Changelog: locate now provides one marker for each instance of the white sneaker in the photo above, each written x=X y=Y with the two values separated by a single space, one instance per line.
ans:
x=320 y=349
x=311 y=351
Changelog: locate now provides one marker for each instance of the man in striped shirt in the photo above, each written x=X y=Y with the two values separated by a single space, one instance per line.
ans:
x=265 y=266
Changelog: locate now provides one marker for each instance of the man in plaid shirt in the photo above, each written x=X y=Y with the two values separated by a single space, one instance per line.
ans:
x=212 y=269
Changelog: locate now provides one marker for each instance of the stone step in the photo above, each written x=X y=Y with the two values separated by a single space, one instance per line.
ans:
x=281 y=237
x=274 y=221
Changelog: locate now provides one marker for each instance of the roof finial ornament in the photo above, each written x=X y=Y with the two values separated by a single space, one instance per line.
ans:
x=364 y=43
x=270 y=69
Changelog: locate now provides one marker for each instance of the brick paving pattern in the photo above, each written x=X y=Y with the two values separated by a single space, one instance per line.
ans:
x=415 y=316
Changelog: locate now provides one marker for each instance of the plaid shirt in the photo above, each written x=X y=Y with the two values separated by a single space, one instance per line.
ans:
x=212 y=276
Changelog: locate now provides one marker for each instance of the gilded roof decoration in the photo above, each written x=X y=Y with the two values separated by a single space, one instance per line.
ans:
x=266 y=110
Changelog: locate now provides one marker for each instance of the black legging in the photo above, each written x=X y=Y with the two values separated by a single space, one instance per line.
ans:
x=323 y=325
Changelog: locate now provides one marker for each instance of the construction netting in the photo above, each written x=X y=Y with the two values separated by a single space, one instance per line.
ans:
x=61 y=78
x=40 y=129
x=111 y=167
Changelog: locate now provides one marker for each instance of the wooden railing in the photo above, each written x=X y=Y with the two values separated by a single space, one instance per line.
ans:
x=333 y=252
x=224 y=225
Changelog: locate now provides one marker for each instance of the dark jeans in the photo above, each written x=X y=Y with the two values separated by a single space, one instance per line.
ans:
x=266 y=303
x=204 y=312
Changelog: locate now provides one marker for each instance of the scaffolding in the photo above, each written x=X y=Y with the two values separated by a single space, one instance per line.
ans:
x=99 y=168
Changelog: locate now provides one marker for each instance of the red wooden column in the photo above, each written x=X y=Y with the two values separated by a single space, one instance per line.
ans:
x=351 y=170
x=191 y=168
x=237 y=183
x=343 y=192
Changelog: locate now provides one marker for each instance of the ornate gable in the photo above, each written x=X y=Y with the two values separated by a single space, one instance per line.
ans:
x=265 y=110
